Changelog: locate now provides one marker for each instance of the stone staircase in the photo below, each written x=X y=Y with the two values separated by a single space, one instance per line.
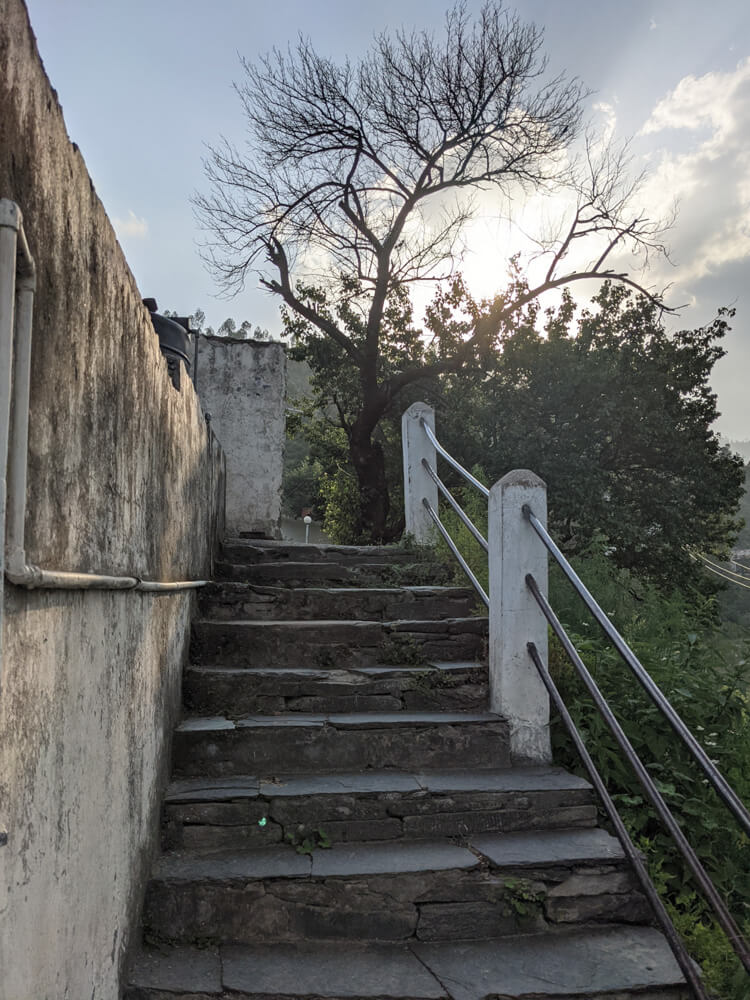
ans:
x=344 y=819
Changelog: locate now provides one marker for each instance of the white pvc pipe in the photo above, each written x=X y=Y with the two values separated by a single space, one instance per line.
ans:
x=17 y=287
x=34 y=578
x=15 y=556
x=9 y=224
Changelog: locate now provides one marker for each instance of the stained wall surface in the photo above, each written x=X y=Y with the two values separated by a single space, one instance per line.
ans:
x=242 y=384
x=124 y=478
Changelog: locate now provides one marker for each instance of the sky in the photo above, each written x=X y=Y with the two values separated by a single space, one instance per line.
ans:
x=147 y=85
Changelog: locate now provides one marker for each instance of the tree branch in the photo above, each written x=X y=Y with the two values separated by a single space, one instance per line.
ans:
x=283 y=288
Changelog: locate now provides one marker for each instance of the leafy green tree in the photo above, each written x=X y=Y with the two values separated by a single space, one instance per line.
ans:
x=615 y=414
x=743 y=539
x=229 y=328
x=199 y=323
x=365 y=173
x=326 y=414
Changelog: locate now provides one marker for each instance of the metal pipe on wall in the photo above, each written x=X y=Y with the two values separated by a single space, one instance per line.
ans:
x=15 y=556
x=9 y=225
x=17 y=288
x=34 y=578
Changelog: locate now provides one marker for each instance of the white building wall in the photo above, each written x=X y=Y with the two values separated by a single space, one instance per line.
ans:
x=242 y=385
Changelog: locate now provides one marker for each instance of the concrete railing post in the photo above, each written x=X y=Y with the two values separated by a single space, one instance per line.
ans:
x=417 y=483
x=516 y=690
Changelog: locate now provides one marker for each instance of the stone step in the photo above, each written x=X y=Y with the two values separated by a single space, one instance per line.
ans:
x=231 y=601
x=368 y=574
x=243 y=812
x=305 y=743
x=235 y=691
x=251 y=551
x=493 y=885
x=336 y=644
x=611 y=963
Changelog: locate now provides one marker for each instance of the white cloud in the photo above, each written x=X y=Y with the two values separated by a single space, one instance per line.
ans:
x=132 y=226
x=699 y=101
x=708 y=176
x=609 y=125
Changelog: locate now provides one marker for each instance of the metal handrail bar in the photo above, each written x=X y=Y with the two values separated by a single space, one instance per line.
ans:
x=455 y=505
x=452 y=546
x=723 y=789
x=451 y=460
x=708 y=889
x=631 y=851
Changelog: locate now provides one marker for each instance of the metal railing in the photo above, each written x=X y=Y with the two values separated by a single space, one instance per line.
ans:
x=714 y=776
x=456 y=506
x=535 y=651
x=456 y=553
x=451 y=461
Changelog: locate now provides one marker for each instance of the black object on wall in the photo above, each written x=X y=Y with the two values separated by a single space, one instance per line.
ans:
x=174 y=340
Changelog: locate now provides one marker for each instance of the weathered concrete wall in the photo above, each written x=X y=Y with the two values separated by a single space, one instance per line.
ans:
x=242 y=384
x=124 y=478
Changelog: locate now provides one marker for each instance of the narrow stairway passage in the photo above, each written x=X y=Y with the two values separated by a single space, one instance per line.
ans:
x=344 y=820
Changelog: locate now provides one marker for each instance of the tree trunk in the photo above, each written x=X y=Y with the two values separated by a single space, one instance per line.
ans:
x=369 y=464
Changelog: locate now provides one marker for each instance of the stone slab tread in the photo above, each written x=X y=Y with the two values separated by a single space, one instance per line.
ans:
x=377 y=672
x=362 y=573
x=268 y=550
x=593 y=963
x=537 y=849
x=470 y=623
x=356 y=721
x=420 y=590
x=513 y=779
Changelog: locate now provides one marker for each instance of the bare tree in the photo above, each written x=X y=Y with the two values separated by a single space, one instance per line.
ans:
x=366 y=172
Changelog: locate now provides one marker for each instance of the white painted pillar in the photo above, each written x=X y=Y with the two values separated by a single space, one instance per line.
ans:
x=516 y=690
x=417 y=483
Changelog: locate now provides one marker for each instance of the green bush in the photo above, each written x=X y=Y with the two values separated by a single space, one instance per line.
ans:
x=340 y=497
x=475 y=506
x=706 y=678
x=301 y=488
x=704 y=671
